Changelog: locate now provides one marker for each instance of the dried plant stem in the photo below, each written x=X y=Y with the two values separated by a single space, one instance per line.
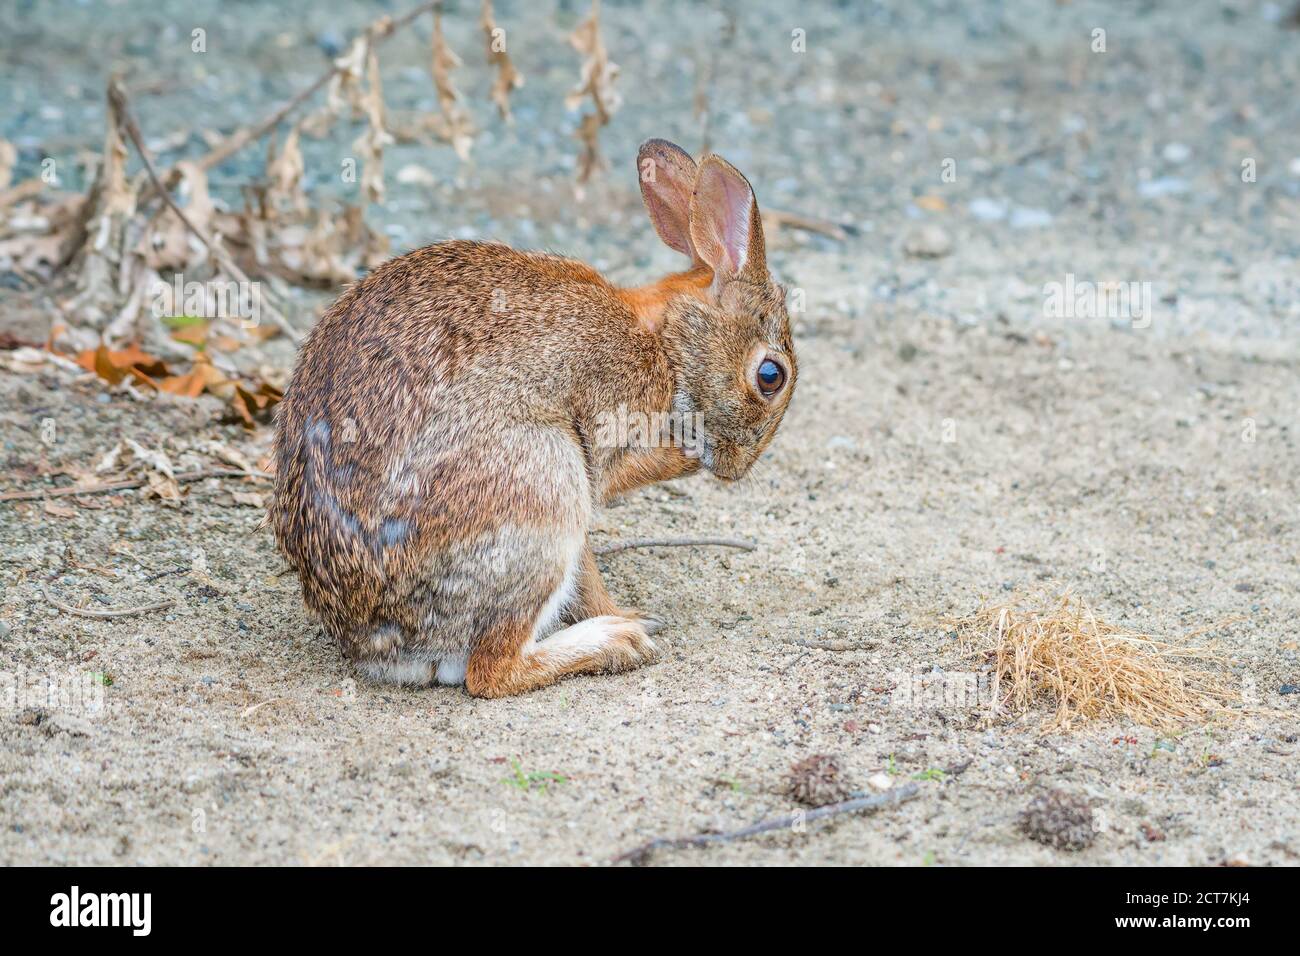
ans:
x=126 y=485
x=618 y=546
x=118 y=96
x=250 y=711
x=89 y=612
x=774 y=219
x=875 y=802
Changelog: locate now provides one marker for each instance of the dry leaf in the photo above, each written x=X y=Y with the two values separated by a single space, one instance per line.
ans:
x=454 y=124
x=203 y=376
x=344 y=88
x=597 y=81
x=154 y=459
x=115 y=366
x=58 y=510
x=194 y=333
x=160 y=486
x=253 y=406
x=170 y=245
x=284 y=172
x=231 y=456
x=110 y=459
x=507 y=78
x=371 y=143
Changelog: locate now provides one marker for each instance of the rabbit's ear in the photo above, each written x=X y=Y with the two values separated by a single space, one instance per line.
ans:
x=726 y=227
x=667 y=175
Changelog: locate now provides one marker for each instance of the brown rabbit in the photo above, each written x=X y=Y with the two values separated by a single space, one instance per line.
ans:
x=445 y=439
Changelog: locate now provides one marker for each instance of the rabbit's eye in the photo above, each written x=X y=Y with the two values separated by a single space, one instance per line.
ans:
x=771 y=376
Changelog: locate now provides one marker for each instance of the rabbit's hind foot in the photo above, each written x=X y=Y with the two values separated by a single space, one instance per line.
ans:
x=510 y=662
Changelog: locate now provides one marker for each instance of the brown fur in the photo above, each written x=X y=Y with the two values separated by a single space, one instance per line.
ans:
x=438 y=448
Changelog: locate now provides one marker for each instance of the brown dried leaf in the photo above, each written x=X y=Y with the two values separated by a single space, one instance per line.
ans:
x=170 y=245
x=507 y=78
x=253 y=406
x=453 y=124
x=114 y=366
x=284 y=172
x=597 y=82
x=58 y=510
x=195 y=334
x=161 y=486
x=203 y=376
x=371 y=143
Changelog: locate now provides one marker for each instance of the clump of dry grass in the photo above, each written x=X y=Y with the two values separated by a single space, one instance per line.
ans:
x=1090 y=669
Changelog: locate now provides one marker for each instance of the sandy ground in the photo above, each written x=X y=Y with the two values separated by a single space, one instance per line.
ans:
x=952 y=440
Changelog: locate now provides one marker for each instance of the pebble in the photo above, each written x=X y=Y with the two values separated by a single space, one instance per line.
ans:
x=1288 y=689
x=1176 y=153
x=1022 y=218
x=880 y=782
x=988 y=210
x=928 y=241
x=4 y=630
x=1164 y=186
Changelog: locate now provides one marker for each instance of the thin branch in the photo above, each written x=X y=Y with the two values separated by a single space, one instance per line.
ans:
x=741 y=543
x=887 y=799
x=132 y=130
x=127 y=484
x=774 y=219
x=88 y=612
x=250 y=711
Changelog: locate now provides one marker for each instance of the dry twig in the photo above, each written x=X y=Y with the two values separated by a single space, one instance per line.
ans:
x=618 y=546
x=89 y=612
x=105 y=487
x=875 y=802
x=118 y=97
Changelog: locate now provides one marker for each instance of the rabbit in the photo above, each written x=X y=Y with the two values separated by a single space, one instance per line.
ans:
x=444 y=440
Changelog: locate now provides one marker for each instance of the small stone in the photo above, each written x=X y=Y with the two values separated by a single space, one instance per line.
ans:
x=1176 y=153
x=880 y=782
x=928 y=241
x=1164 y=186
x=1288 y=689
x=988 y=210
x=1022 y=218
